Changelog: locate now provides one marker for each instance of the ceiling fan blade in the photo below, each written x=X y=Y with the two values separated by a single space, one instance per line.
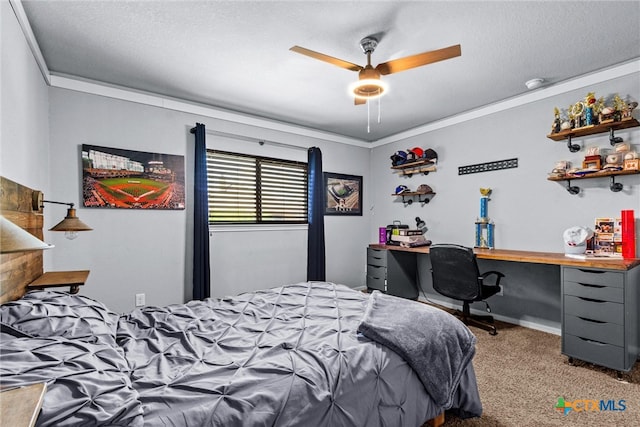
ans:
x=359 y=101
x=326 y=58
x=408 y=62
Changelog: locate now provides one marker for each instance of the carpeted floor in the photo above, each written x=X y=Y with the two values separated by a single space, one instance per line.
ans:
x=521 y=374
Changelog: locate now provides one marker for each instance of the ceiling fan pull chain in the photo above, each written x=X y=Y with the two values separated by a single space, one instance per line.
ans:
x=368 y=118
x=379 y=107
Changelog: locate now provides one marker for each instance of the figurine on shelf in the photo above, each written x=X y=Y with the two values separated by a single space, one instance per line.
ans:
x=628 y=112
x=577 y=109
x=555 y=128
x=589 y=103
x=572 y=117
x=566 y=122
x=619 y=106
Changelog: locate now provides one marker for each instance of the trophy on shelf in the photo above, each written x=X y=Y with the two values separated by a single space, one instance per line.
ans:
x=484 y=226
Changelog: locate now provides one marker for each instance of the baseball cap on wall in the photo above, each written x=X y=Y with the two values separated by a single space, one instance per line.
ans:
x=416 y=153
x=424 y=189
x=401 y=189
x=430 y=154
x=398 y=158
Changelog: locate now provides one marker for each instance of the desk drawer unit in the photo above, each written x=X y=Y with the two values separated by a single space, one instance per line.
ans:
x=600 y=316
x=376 y=269
x=392 y=272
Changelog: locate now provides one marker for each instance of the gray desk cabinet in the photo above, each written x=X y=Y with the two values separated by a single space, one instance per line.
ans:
x=392 y=272
x=600 y=320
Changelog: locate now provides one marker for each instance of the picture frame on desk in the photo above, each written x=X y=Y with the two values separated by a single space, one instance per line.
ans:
x=342 y=194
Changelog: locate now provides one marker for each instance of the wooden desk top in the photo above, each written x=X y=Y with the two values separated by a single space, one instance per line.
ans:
x=554 y=258
x=20 y=406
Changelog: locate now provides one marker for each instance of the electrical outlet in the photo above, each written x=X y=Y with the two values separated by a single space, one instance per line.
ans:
x=140 y=300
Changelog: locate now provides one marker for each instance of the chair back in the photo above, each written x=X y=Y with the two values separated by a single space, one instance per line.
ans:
x=454 y=271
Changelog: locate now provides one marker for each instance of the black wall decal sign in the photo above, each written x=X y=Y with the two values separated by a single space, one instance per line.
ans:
x=488 y=166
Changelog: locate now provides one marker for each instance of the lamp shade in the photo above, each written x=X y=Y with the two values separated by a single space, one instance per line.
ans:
x=15 y=239
x=71 y=223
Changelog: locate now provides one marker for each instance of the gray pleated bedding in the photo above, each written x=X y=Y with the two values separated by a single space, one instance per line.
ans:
x=287 y=356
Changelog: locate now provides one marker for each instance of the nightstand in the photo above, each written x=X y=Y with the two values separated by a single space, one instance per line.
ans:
x=20 y=406
x=53 y=279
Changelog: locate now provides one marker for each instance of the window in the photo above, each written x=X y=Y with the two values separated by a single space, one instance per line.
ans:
x=246 y=189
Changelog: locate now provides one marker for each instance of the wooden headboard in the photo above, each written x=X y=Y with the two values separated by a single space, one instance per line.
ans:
x=19 y=269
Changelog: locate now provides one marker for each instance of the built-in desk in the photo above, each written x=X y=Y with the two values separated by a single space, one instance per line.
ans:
x=554 y=258
x=596 y=300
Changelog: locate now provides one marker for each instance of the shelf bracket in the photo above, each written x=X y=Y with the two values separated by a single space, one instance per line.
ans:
x=614 y=139
x=572 y=189
x=574 y=148
x=615 y=186
x=424 y=201
x=407 y=201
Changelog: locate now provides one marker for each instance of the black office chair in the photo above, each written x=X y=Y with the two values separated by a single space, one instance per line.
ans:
x=455 y=274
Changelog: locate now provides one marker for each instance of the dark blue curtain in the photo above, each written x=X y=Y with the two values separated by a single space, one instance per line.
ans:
x=201 y=272
x=315 y=238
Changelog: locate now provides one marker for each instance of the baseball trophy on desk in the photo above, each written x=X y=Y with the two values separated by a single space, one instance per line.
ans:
x=484 y=226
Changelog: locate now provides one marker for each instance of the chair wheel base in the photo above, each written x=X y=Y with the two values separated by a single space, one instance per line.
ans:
x=482 y=322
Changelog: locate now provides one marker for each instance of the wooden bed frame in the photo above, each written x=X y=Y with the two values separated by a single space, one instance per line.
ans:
x=19 y=269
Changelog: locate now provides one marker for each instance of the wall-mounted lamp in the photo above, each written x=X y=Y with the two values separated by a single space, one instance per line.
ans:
x=71 y=224
x=16 y=239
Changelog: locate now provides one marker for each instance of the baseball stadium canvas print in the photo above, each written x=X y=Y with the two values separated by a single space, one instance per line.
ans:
x=117 y=178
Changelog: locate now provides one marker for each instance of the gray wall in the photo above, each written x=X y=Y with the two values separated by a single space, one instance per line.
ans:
x=24 y=133
x=134 y=251
x=530 y=212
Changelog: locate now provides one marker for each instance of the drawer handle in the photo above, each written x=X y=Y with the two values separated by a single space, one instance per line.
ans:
x=589 y=285
x=592 y=341
x=591 y=300
x=592 y=271
x=375 y=266
x=590 y=320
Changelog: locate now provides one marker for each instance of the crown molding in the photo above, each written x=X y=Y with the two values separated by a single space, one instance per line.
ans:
x=21 y=17
x=547 y=92
x=127 y=94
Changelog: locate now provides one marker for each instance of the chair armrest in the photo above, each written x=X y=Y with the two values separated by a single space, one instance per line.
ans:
x=489 y=273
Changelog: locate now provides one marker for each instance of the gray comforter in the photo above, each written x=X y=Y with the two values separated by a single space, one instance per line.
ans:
x=288 y=356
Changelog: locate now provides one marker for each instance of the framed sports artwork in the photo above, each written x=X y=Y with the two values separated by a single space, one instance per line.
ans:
x=127 y=179
x=342 y=194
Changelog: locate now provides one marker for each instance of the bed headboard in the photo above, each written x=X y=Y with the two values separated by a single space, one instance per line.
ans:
x=19 y=269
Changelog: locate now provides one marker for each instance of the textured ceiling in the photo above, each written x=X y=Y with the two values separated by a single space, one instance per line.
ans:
x=235 y=54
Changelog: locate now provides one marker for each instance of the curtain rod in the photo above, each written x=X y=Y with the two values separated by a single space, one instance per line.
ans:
x=251 y=139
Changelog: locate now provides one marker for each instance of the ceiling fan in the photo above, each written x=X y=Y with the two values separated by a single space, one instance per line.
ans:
x=369 y=84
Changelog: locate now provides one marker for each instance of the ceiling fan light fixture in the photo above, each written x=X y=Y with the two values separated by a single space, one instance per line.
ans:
x=368 y=88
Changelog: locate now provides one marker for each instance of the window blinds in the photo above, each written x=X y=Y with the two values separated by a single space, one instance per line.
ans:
x=249 y=189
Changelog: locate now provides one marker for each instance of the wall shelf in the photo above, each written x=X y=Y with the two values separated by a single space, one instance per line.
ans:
x=408 y=196
x=614 y=186
x=610 y=127
x=423 y=166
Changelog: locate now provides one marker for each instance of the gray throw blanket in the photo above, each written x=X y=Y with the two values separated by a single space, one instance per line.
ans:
x=434 y=343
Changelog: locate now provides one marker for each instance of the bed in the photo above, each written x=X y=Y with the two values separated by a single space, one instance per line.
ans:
x=303 y=354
